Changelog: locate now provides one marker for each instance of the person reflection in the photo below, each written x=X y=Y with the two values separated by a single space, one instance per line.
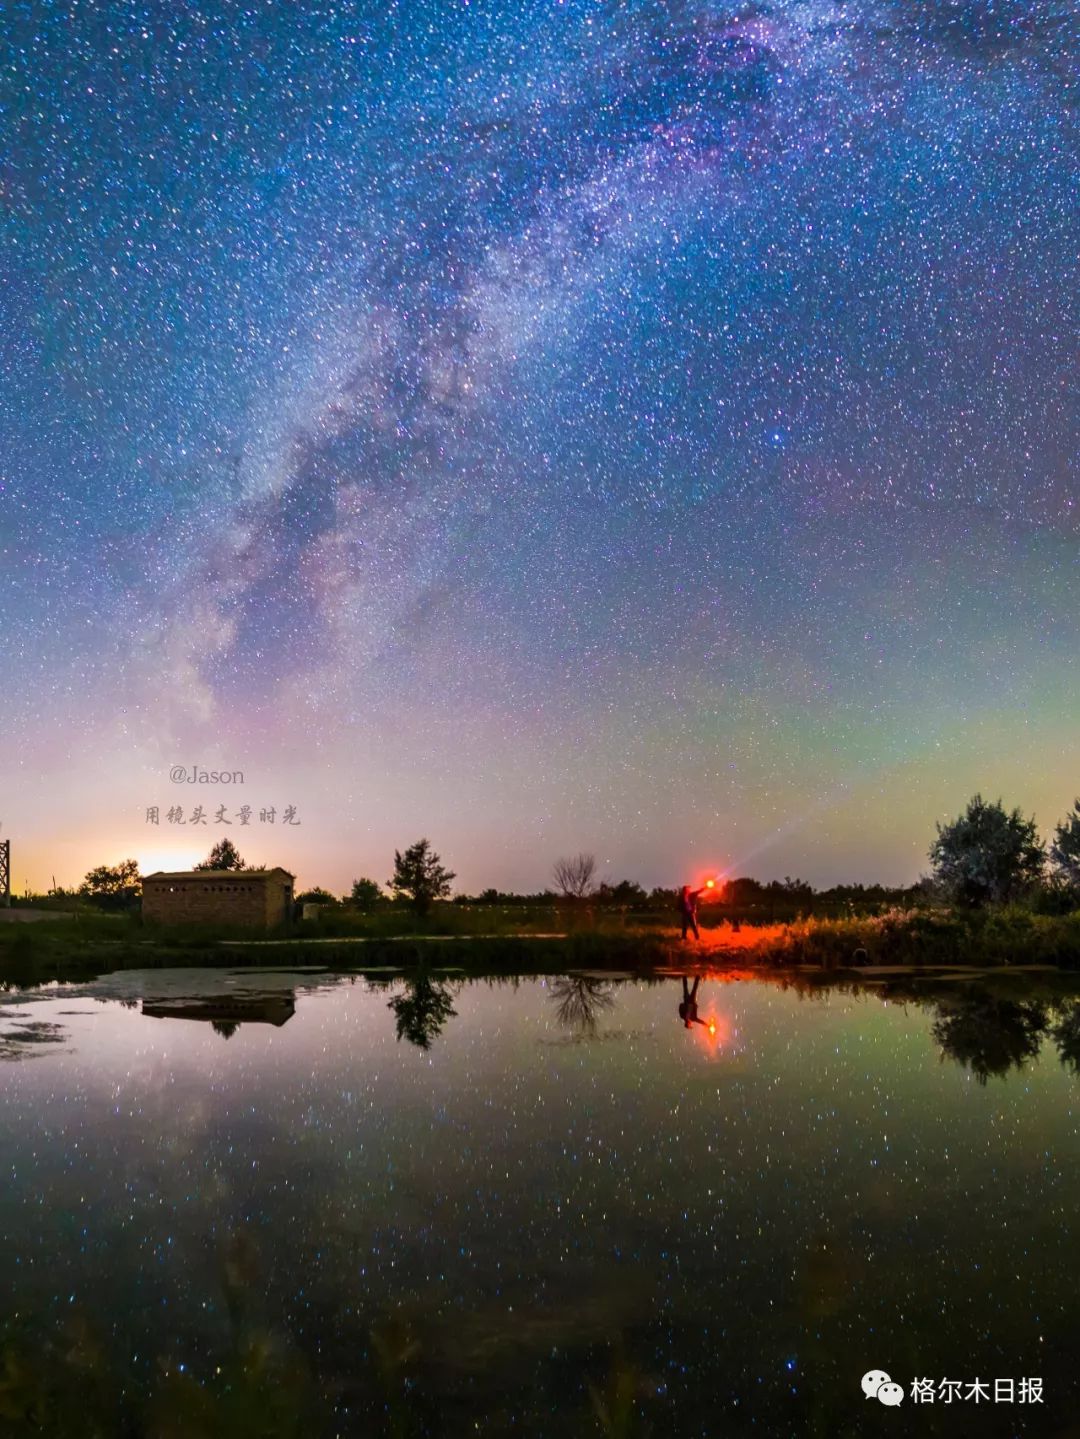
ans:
x=688 y=1011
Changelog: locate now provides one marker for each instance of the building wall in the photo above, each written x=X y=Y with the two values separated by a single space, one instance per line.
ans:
x=254 y=903
x=278 y=900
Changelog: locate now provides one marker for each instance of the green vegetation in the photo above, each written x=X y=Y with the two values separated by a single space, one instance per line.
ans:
x=996 y=897
x=1012 y=935
x=501 y=943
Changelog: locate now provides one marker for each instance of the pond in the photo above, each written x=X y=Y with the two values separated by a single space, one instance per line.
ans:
x=293 y=1203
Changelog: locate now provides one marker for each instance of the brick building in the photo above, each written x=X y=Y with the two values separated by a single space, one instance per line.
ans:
x=254 y=898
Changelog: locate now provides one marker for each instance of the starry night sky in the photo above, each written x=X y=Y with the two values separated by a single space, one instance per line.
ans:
x=637 y=427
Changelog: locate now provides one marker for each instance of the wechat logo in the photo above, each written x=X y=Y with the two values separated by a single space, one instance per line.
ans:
x=876 y=1384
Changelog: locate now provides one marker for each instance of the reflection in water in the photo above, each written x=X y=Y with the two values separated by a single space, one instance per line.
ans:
x=226 y=1013
x=990 y=1036
x=22 y=1039
x=579 y=1001
x=1066 y=1034
x=688 y=1010
x=319 y=1235
x=422 y=1011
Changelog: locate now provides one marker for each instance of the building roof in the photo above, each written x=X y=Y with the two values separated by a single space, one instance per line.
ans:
x=218 y=874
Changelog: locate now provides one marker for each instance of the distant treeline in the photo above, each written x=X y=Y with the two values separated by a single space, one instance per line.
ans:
x=740 y=893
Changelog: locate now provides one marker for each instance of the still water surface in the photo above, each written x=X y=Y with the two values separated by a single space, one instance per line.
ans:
x=294 y=1204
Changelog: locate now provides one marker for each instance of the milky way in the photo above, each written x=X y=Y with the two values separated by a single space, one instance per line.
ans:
x=647 y=427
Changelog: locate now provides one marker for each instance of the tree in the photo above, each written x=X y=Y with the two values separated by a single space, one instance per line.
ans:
x=743 y=890
x=315 y=896
x=113 y=886
x=574 y=876
x=626 y=892
x=224 y=855
x=987 y=855
x=365 y=893
x=419 y=876
x=1065 y=848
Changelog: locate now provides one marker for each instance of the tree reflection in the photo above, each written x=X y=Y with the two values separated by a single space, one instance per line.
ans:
x=422 y=1011
x=1066 y=1034
x=990 y=1036
x=580 y=1000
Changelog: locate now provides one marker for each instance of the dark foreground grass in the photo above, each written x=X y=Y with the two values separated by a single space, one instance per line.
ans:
x=87 y=945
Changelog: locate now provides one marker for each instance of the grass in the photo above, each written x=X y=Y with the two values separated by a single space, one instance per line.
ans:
x=543 y=938
x=987 y=938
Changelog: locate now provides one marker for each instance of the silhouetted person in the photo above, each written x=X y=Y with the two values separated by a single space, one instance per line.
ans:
x=688 y=899
x=688 y=1009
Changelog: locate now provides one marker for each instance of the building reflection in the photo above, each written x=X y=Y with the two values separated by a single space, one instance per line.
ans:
x=226 y=1014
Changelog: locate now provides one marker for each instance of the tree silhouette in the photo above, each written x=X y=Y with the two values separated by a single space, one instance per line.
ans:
x=422 y=1011
x=574 y=875
x=419 y=876
x=113 y=886
x=365 y=893
x=1065 y=848
x=224 y=855
x=315 y=896
x=987 y=855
